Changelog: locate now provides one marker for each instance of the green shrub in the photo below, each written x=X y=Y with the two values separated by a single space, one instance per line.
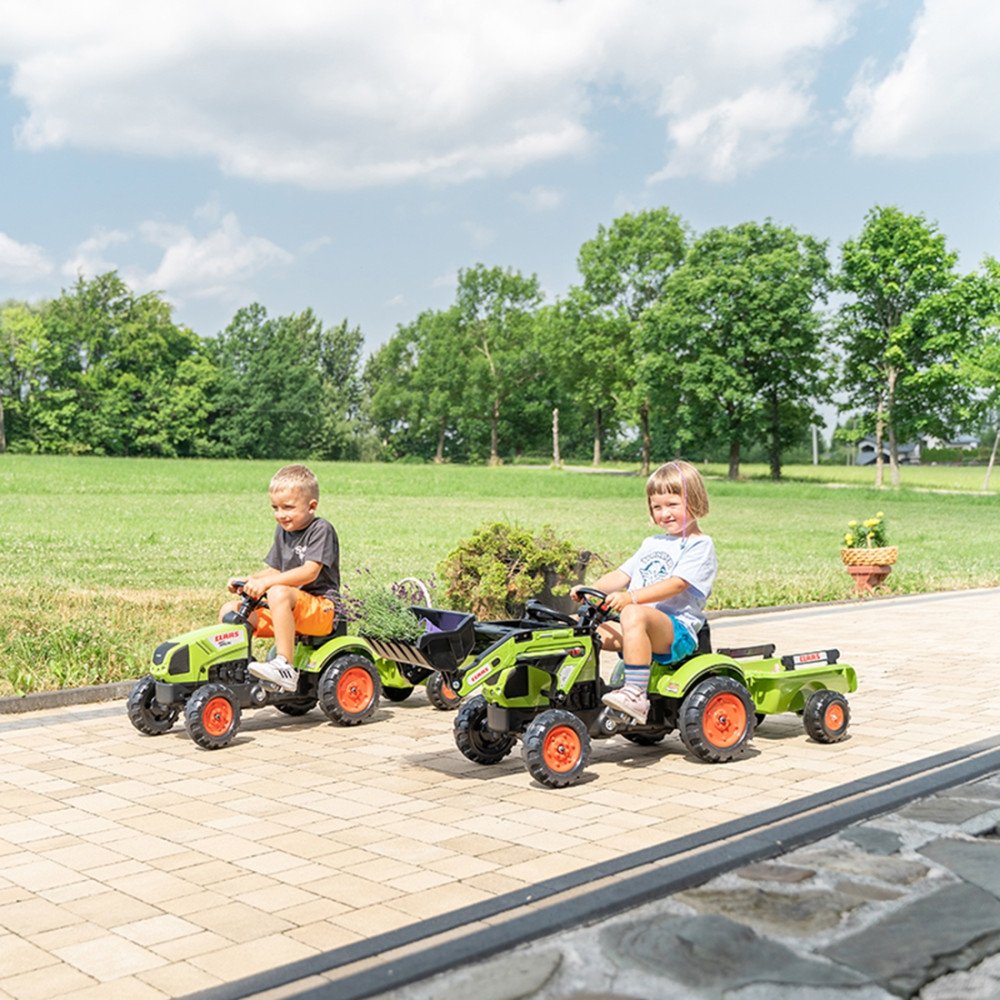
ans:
x=493 y=572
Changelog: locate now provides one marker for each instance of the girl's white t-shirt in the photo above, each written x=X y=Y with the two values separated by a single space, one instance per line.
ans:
x=692 y=559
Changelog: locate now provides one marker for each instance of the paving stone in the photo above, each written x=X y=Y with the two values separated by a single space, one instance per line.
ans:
x=975 y=861
x=767 y=871
x=513 y=977
x=832 y=857
x=873 y=839
x=950 y=930
x=713 y=955
x=979 y=983
x=947 y=810
x=793 y=913
x=867 y=892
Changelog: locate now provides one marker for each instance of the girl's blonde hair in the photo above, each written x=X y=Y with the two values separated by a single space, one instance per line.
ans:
x=682 y=479
x=296 y=477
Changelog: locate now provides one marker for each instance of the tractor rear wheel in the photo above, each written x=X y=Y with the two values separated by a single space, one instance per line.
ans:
x=349 y=689
x=717 y=719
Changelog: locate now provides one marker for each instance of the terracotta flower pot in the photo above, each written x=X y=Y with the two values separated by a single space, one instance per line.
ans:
x=869 y=577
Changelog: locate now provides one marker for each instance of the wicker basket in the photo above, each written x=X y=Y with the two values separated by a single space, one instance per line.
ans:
x=884 y=556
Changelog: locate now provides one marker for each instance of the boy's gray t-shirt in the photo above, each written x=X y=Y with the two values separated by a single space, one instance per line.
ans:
x=317 y=542
x=692 y=559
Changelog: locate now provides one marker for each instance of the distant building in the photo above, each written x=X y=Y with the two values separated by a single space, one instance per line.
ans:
x=909 y=454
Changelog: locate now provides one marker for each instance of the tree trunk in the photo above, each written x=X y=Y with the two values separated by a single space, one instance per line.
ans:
x=3 y=433
x=879 y=434
x=556 y=455
x=598 y=434
x=439 y=453
x=495 y=433
x=647 y=445
x=734 y=458
x=993 y=458
x=893 y=443
x=775 y=441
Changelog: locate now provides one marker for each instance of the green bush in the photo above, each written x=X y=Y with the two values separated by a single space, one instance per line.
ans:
x=493 y=572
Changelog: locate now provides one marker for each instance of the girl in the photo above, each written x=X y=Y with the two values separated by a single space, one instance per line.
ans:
x=660 y=592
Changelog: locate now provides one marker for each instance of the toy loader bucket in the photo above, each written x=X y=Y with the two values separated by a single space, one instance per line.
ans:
x=444 y=646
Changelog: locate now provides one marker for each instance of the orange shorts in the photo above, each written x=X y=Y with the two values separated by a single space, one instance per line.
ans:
x=313 y=616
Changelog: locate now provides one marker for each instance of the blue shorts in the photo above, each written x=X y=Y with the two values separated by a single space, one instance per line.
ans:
x=684 y=644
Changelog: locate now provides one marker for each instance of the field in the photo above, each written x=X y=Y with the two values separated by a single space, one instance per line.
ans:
x=101 y=559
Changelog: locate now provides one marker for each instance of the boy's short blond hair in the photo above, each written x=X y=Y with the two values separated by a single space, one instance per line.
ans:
x=681 y=479
x=296 y=477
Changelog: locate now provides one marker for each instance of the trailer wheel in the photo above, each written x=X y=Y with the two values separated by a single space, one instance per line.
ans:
x=826 y=716
x=397 y=694
x=212 y=716
x=556 y=748
x=440 y=693
x=475 y=739
x=716 y=719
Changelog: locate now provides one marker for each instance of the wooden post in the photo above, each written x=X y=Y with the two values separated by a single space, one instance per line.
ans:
x=556 y=457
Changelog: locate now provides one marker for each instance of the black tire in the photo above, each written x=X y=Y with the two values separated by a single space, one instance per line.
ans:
x=212 y=716
x=647 y=739
x=826 y=716
x=475 y=739
x=440 y=694
x=716 y=719
x=299 y=707
x=759 y=717
x=556 y=748
x=396 y=694
x=143 y=711
x=349 y=689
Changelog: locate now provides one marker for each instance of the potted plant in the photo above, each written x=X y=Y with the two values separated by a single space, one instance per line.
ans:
x=866 y=552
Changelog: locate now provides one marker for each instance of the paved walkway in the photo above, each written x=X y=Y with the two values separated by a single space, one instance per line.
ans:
x=135 y=866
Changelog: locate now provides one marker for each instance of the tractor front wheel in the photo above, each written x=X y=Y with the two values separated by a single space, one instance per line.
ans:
x=145 y=713
x=717 y=719
x=556 y=748
x=349 y=689
x=826 y=716
x=475 y=739
x=212 y=716
x=396 y=694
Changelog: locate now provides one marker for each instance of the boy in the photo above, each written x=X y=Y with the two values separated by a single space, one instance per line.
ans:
x=302 y=578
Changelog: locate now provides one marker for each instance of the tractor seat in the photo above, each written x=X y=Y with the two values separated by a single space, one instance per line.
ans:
x=315 y=641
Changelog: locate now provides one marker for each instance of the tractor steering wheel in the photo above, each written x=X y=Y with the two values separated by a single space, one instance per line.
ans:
x=248 y=604
x=595 y=610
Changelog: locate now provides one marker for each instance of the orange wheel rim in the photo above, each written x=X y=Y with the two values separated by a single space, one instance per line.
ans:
x=447 y=693
x=833 y=717
x=355 y=689
x=217 y=718
x=561 y=749
x=725 y=720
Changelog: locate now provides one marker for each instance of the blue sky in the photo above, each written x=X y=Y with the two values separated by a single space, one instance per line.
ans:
x=352 y=157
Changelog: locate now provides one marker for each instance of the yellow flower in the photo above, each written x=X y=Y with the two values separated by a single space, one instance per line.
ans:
x=848 y=539
x=852 y=524
x=879 y=514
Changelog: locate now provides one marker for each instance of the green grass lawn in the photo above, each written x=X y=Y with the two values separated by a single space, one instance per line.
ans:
x=100 y=559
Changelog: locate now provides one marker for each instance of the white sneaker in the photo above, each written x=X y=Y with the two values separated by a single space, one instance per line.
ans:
x=278 y=671
x=630 y=700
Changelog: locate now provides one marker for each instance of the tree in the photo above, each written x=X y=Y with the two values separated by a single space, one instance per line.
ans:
x=625 y=269
x=735 y=341
x=898 y=271
x=287 y=386
x=494 y=310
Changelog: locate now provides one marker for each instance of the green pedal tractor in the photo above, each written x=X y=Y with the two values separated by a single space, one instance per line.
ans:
x=203 y=674
x=538 y=680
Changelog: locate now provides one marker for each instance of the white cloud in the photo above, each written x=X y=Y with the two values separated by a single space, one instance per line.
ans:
x=941 y=96
x=218 y=264
x=540 y=199
x=22 y=262
x=338 y=96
